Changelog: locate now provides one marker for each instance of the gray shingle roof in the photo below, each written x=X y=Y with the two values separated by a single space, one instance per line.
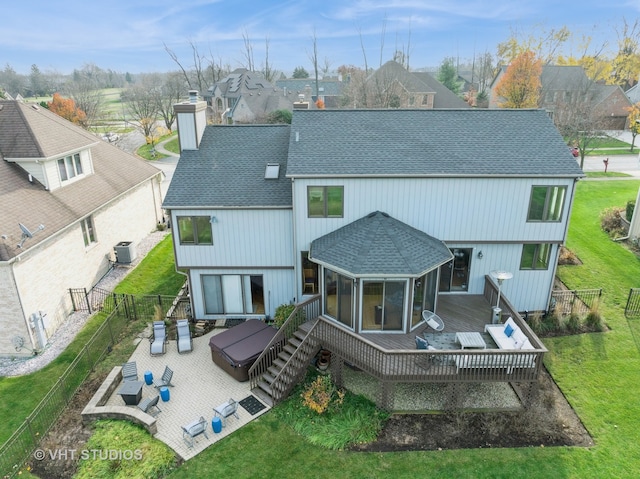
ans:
x=466 y=142
x=26 y=132
x=380 y=245
x=228 y=169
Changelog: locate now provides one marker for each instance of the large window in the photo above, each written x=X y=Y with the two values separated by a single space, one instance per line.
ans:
x=338 y=298
x=383 y=305
x=233 y=294
x=546 y=203
x=69 y=167
x=535 y=256
x=88 y=231
x=325 y=201
x=195 y=230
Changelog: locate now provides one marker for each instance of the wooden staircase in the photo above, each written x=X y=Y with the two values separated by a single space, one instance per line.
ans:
x=287 y=369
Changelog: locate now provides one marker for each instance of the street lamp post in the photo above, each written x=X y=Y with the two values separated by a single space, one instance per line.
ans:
x=500 y=277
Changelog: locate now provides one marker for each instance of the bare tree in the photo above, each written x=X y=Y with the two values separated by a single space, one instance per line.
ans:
x=577 y=119
x=195 y=77
x=168 y=95
x=142 y=102
x=268 y=71
x=313 y=56
x=248 y=51
x=87 y=98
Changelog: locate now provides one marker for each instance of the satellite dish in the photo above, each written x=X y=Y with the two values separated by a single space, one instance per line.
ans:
x=25 y=231
x=26 y=234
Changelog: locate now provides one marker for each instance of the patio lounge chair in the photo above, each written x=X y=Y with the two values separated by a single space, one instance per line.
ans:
x=193 y=429
x=224 y=410
x=130 y=371
x=165 y=380
x=159 y=338
x=147 y=404
x=185 y=343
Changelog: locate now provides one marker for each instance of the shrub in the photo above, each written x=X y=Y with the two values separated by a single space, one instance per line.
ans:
x=610 y=221
x=282 y=313
x=573 y=323
x=630 y=207
x=593 y=321
x=321 y=394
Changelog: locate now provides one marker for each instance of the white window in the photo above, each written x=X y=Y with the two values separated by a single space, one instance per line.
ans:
x=70 y=167
x=88 y=231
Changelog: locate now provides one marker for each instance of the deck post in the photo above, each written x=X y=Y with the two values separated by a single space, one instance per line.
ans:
x=385 y=395
x=337 y=367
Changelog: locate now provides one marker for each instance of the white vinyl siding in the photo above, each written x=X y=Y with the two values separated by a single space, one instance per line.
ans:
x=235 y=233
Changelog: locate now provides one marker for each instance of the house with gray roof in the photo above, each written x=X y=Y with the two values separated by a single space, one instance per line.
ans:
x=244 y=96
x=67 y=199
x=565 y=89
x=401 y=212
x=397 y=87
x=328 y=90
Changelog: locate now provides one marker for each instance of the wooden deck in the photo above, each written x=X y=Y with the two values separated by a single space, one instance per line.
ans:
x=459 y=312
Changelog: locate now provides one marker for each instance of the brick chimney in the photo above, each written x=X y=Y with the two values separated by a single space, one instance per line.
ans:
x=191 y=120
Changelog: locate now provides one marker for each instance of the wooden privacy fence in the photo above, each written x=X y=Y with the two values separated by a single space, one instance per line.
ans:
x=580 y=301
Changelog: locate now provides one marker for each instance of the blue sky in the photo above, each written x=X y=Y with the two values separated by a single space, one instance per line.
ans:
x=129 y=35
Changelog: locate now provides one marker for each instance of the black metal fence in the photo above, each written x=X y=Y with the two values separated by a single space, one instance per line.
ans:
x=580 y=301
x=120 y=309
x=632 y=309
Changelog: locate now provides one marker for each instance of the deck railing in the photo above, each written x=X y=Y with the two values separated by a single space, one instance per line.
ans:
x=469 y=365
x=306 y=310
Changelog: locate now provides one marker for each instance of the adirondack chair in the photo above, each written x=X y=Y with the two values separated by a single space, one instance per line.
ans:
x=130 y=371
x=148 y=404
x=165 y=380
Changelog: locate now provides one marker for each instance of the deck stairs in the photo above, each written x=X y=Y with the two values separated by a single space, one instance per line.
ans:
x=287 y=369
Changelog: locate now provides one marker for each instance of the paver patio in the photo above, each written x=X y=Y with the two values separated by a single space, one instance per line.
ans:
x=199 y=386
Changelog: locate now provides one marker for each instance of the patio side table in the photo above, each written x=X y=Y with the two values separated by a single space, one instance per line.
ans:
x=131 y=392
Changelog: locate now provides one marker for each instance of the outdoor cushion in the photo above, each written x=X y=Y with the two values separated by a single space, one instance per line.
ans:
x=421 y=343
x=508 y=330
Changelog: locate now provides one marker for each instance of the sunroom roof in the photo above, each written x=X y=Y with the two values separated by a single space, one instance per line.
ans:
x=379 y=245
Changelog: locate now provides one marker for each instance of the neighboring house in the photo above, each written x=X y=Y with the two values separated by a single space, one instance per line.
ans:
x=562 y=86
x=329 y=90
x=244 y=96
x=397 y=87
x=381 y=212
x=633 y=94
x=88 y=195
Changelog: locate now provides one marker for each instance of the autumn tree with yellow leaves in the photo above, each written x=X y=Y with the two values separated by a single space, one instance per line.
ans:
x=520 y=85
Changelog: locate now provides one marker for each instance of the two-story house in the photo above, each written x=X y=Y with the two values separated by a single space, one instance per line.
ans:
x=382 y=213
x=244 y=96
x=66 y=199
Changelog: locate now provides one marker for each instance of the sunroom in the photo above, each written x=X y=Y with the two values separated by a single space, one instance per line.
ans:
x=379 y=274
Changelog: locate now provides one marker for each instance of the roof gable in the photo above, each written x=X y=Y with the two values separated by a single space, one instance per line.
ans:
x=380 y=245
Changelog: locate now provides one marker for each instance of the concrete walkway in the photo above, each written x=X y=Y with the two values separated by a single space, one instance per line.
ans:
x=199 y=386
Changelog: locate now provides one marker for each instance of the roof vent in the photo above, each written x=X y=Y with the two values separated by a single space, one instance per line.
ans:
x=35 y=107
x=193 y=96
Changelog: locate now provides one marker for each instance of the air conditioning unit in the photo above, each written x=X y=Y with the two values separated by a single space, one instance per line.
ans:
x=125 y=252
